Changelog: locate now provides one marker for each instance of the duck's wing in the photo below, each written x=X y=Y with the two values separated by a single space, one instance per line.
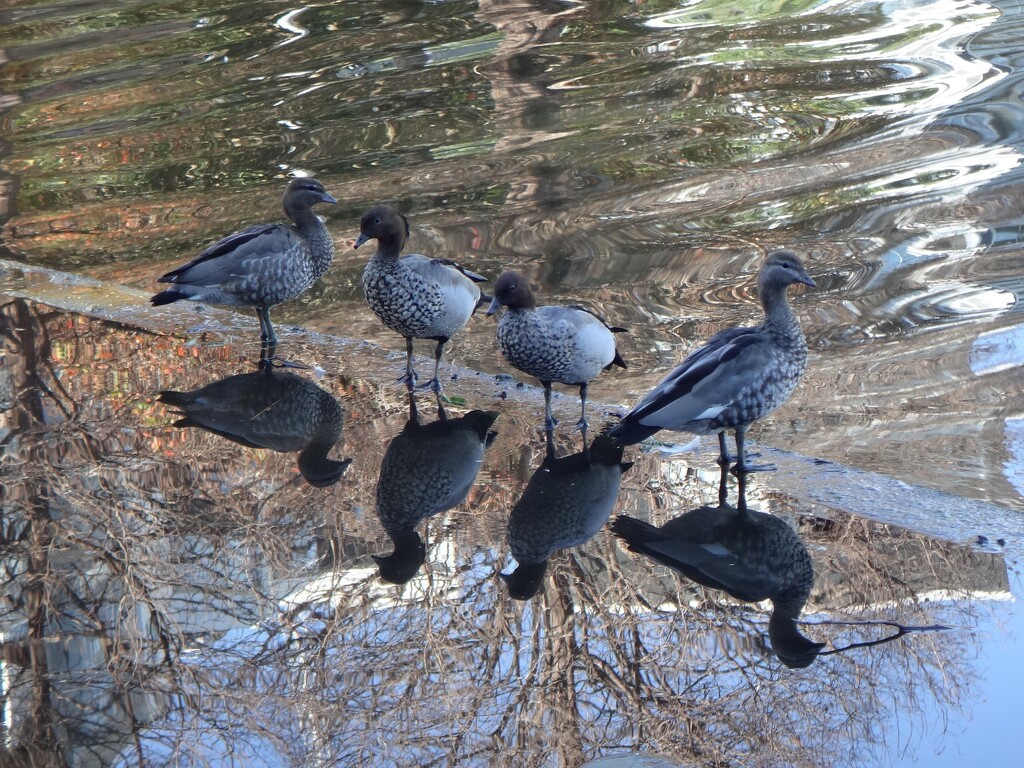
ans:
x=612 y=328
x=705 y=382
x=476 y=278
x=227 y=257
x=589 y=325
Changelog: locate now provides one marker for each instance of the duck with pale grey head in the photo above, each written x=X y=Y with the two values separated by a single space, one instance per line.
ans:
x=739 y=376
x=263 y=265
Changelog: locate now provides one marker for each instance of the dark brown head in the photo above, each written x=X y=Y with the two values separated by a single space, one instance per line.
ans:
x=386 y=225
x=512 y=291
x=302 y=194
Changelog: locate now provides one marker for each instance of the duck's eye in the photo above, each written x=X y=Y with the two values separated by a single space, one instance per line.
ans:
x=377 y=220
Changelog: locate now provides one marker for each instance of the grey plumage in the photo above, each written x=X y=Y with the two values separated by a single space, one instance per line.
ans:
x=752 y=556
x=270 y=409
x=263 y=265
x=415 y=296
x=565 y=503
x=740 y=375
x=563 y=344
x=427 y=469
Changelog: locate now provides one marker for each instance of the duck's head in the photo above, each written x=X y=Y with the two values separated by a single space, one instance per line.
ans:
x=385 y=224
x=305 y=192
x=781 y=269
x=512 y=291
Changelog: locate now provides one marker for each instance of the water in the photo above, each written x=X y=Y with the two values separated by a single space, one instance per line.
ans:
x=637 y=158
x=173 y=596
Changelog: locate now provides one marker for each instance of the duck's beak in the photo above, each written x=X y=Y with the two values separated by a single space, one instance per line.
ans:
x=360 y=240
x=495 y=306
x=328 y=198
x=808 y=280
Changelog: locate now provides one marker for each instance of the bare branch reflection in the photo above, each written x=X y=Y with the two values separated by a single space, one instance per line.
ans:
x=173 y=598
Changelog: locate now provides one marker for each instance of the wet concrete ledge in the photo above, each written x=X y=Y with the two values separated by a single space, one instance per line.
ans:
x=813 y=481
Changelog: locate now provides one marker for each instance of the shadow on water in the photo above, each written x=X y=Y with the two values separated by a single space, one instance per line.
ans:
x=427 y=469
x=750 y=555
x=566 y=502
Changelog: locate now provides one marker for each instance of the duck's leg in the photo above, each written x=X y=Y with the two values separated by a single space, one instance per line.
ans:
x=435 y=383
x=724 y=459
x=266 y=327
x=742 y=466
x=409 y=379
x=582 y=425
x=549 y=420
x=268 y=356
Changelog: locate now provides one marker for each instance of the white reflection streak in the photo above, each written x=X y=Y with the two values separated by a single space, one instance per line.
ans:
x=288 y=24
x=997 y=350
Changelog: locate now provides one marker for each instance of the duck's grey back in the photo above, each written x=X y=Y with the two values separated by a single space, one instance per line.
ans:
x=556 y=344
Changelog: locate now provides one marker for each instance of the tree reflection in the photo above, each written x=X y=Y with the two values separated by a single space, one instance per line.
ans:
x=175 y=601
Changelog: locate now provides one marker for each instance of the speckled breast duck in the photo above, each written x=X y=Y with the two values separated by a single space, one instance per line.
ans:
x=739 y=376
x=416 y=296
x=564 y=344
x=261 y=266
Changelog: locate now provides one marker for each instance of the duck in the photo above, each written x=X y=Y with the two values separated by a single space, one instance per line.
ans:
x=271 y=409
x=416 y=296
x=566 y=502
x=739 y=376
x=427 y=469
x=750 y=555
x=567 y=344
x=262 y=265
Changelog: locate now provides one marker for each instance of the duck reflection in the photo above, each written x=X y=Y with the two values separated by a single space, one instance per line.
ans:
x=751 y=555
x=271 y=409
x=427 y=469
x=565 y=504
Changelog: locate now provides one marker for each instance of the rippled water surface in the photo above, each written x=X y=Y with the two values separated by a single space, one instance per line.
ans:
x=175 y=597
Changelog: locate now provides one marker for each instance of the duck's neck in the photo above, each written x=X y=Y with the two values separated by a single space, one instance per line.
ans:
x=778 y=315
x=389 y=248
x=316 y=235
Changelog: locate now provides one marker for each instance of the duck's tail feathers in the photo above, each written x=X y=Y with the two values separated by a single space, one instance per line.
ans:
x=617 y=360
x=636 y=533
x=169 y=296
x=629 y=433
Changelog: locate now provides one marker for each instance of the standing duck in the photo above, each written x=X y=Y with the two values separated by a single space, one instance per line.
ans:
x=567 y=344
x=263 y=265
x=739 y=376
x=752 y=556
x=416 y=296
